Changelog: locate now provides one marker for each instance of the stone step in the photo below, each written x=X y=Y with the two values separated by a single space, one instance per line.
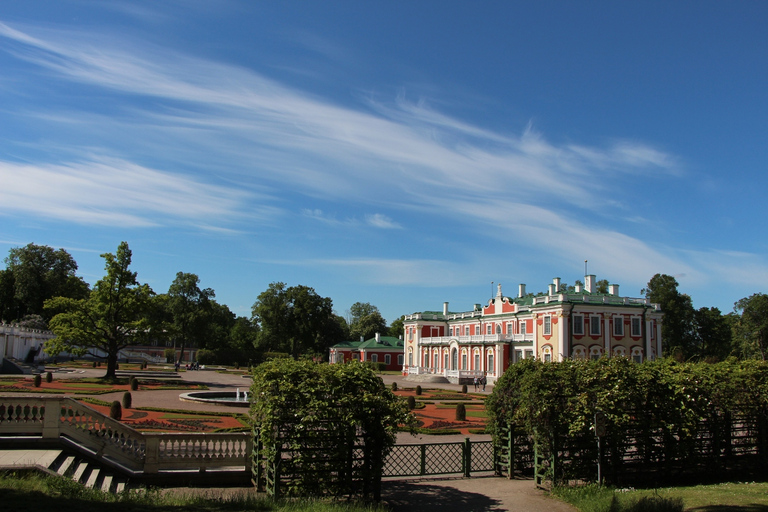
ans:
x=106 y=484
x=93 y=477
x=66 y=465
x=77 y=476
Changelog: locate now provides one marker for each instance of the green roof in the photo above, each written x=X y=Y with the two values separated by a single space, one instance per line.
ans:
x=385 y=342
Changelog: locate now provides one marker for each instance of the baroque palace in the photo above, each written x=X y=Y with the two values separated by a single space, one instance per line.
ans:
x=580 y=323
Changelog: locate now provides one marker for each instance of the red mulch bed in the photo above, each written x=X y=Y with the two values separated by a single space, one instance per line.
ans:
x=444 y=418
x=159 y=421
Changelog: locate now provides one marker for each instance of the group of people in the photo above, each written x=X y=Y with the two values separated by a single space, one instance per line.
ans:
x=481 y=381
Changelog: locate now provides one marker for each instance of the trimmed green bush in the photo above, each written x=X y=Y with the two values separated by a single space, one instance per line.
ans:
x=116 y=411
x=49 y=377
x=411 y=402
x=461 y=412
x=418 y=390
x=127 y=400
x=394 y=386
x=464 y=389
x=322 y=407
x=38 y=381
x=134 y=382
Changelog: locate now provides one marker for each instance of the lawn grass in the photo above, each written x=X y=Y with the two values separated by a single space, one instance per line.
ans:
x=736 y=496
x=25 y=492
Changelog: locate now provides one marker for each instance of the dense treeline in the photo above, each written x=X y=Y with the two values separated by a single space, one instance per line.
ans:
x=39 y=288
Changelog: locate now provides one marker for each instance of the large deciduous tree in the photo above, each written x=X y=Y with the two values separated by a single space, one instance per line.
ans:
x=33 y=274
x=751 y=328
x=365 y=321
x=113 y=316
x=295 y=320
x=677 y=328
x=712 y=332
x=189 y=307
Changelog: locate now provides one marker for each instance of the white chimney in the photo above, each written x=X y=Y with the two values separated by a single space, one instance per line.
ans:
x=521 y=291
x=552 y=289
x=556 y=281
x=577 y=287
x=589 y=283
x=378 y=338
x=445 y=309
x=613 y=289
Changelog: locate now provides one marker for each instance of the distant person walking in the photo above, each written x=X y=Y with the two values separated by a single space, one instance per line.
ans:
x=475 y=382
x=484 y=381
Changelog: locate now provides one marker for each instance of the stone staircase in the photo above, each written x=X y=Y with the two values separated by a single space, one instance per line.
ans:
x=65 y=464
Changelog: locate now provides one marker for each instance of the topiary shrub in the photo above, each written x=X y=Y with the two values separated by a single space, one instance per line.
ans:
x=94 y=364
x=116 y=411
x=411 y=402
x=134 y=382
x=38 y=380
x=394 y=386
x=49 y=377
x=461 y=412
x=127 y=400
x=418 y=390
x=464 y=389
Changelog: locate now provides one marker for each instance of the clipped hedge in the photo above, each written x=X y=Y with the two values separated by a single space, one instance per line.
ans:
x=312 y=417
x=662 y=408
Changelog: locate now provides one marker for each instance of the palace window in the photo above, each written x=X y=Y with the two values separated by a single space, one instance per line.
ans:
x=387 y=359
x=636 y=326
x=374 y=358
x=618 y=326
x=578 y=324
x=400 y=359
x=523 y=327
x=547 y=325
x=594 y=325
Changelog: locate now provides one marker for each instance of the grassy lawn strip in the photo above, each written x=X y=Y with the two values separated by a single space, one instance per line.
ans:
x=725 y=496
x=35 y=492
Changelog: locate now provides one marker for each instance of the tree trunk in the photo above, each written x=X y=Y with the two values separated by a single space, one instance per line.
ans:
x=111 y=362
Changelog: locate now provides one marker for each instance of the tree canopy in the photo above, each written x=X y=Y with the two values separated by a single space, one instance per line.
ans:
x=190 y=308
x=751 y=328
x=365 y=321
x=113 y=316
x=677 y=328
x=33 y=274
x=295 y=320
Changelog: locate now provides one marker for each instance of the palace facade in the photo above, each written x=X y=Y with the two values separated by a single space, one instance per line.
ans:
x=579 y=323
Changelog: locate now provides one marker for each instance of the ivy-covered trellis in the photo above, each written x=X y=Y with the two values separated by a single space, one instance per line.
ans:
x=662 y=419
x=322 y=430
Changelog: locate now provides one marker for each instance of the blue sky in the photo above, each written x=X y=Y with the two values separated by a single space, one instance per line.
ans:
x=393 y=152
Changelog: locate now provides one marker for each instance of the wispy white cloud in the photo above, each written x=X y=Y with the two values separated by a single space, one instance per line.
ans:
x=518 y=188
x=104 y=191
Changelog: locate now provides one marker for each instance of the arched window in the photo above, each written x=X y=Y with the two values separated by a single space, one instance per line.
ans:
x=490 y=366
x=546 y=352
x=454 y=359
x=476 y=360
